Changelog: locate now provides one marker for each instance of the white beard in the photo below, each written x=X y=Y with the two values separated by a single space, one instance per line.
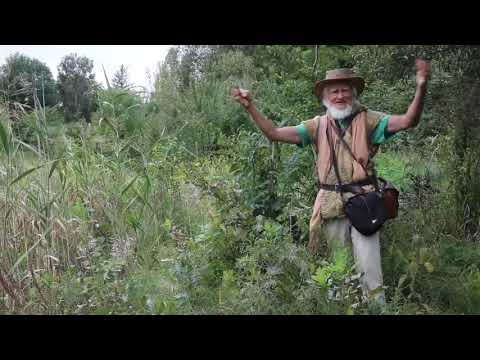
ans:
x=338 y=114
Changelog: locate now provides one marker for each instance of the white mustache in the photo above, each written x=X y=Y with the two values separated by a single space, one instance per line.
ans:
x=336 y=113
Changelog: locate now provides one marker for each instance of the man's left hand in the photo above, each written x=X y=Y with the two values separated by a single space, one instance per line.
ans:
x=423 y=71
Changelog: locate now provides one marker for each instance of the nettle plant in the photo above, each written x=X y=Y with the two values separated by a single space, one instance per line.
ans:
x=339 y=280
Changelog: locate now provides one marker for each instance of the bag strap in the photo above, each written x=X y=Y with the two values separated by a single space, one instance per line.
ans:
x=335 y=166
x=332 y=156
x=334 y=159
x=340 y=135
x=317 y=150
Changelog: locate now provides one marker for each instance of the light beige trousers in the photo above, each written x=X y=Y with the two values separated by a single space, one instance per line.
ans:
x=366 y=253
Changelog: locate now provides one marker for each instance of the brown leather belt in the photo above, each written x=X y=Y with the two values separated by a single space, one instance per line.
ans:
x=355 y=187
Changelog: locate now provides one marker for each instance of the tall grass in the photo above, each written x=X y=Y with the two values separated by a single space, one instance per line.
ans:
x=70 y=207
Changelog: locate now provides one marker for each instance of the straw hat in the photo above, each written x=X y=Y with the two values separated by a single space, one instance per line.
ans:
x=336 y=75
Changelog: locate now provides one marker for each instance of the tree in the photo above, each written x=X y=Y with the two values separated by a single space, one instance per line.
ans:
x=22 y=78
x=120 y=78
x=77 y=87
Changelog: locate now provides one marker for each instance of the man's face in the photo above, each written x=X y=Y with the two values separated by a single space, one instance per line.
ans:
x=339 y=95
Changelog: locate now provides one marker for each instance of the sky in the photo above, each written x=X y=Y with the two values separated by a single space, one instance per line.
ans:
x=137 y=58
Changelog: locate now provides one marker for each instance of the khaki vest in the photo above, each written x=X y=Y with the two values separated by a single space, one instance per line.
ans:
x=329 y=204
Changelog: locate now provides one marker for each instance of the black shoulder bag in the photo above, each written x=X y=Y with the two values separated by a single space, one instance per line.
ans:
x=367 y=211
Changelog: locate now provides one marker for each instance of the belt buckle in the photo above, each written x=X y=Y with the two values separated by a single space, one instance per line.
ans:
x=337 y=187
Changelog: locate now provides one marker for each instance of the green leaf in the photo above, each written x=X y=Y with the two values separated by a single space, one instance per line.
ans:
x=52 y=168
x=133 y=106
x=125 y=189
x=148 y=184
x=4 y=138
x=143 y=200
x=24 y=255
x=429 y=267
x=109 y=104
x=134 y=148
x=127 y=145
x=167 y=225
x=26 y=173
x=109 y=123
x=132 y=201
x=29 y=147
x=401 y=280
x=79 y=211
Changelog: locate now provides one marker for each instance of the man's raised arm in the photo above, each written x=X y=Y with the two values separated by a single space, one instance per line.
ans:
x=412 y=117
x=286 y=134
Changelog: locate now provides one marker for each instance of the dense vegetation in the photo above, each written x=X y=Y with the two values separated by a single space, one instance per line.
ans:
x=117 y=203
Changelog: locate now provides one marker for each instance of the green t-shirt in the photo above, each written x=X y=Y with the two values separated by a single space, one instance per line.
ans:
x=379 y=136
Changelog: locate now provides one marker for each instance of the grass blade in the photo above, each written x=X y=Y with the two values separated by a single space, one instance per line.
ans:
x=125 y=189
x=24 y=255
x=109 y=123
x=4 y=137
x=52 y=169
x=29 y=171
x=29 y=147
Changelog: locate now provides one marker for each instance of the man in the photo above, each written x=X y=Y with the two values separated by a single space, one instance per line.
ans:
x=363 y=130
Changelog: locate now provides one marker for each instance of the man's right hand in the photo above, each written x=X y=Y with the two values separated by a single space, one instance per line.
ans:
x=288 y=134
x=242 y=96
x=423 y=71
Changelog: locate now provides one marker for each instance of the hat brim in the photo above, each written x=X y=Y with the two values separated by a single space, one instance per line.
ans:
x=358 y=82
